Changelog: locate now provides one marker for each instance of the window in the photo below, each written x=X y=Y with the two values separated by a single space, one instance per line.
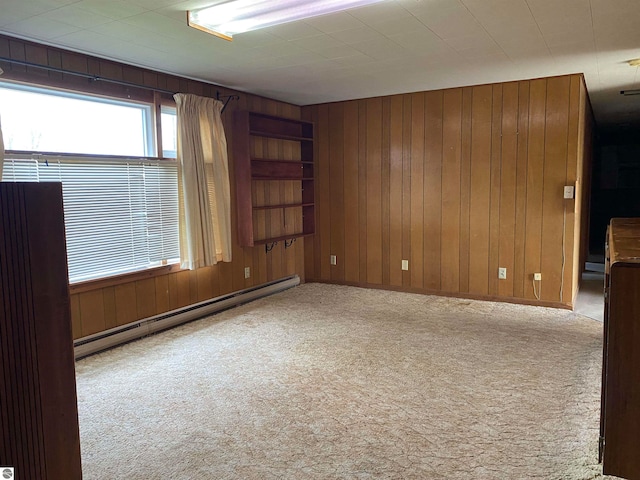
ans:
x=169 y=125
x=121 y=214
x=42 y=120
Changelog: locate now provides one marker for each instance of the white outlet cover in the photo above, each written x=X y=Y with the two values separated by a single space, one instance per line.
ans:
x=537 y=276
x=333 y=260
x=568 y=191
x=502 y=273
x=405 y=264
x=247 y=272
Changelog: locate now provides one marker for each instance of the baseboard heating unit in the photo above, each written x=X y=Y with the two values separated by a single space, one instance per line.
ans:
x=125 y=333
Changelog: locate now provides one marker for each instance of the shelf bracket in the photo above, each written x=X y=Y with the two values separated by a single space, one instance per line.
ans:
x=288 y=243
x=269 y=246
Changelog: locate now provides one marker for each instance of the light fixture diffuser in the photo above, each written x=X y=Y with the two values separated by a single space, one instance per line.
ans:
x=225 y=19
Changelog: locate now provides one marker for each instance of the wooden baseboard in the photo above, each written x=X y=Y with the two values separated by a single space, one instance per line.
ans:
x=469 y=296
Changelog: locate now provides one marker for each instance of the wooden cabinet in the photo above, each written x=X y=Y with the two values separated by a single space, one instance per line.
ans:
x=620 y=411
x=273 y=158
x=38 y=403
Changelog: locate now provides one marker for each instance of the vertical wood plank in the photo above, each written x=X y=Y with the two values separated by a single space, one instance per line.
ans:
x=508 y=186
x=225 y=277
x=351 y=194
x=193 y=286
x=216 y=288
x=465 y=189
x=146 y=297
x=324 y=195
x=574 y=176
x=535 y=168
x=336 y=190
x=205 y=287
x=406 y=186
x=173 y=291
x=109 y=298
x=162 y=294
x=76 y=317
x=494 y=209
x=362 y=186
x=126 y=303
x=451 y=165
x=385 y=167
x=519 y=274
x=479 y=206
x=555 y=171
x=395 y=192
x=92 y=312
x=416 y=263
x=184 y=290
x=374 y=191
x=433 y=189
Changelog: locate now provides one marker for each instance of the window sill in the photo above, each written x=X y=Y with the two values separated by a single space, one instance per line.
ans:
x=105 y=282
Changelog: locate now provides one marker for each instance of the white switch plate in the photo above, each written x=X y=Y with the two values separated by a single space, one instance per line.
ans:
x=502 y=273
x=568 y=191
x=537 y=276
x=334 y=261
x=405 y=264
x=247 y=272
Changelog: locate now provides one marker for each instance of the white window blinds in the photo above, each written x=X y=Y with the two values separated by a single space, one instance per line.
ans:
x=120 y=215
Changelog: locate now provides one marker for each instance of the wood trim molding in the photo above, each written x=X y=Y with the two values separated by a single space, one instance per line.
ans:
x=124 y=278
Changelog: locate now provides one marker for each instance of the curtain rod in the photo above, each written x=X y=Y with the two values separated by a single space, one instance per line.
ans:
x=96 y=78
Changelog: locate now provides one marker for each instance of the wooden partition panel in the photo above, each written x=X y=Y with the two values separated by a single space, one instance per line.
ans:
x=458 y=182
x=38 y=404
x=97 y=308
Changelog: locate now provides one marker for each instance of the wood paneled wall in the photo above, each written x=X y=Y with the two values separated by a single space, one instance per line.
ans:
x=459 y=182
x=98 y=309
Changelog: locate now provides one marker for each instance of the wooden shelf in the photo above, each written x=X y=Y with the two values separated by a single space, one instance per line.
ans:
x=280 y=136
x=284 y=205
x=250 y=129
x=270 y=160
x=282 y=178
x=281 y=238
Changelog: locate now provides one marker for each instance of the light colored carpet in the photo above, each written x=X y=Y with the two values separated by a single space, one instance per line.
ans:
x=332 y=382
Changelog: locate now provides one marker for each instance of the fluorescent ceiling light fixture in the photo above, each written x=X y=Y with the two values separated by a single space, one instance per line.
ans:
x=225 y=19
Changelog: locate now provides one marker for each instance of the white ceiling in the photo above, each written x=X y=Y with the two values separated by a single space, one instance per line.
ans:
x=395 y=46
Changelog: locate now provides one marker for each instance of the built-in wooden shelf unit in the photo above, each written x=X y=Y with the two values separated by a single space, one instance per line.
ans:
x=274 y=178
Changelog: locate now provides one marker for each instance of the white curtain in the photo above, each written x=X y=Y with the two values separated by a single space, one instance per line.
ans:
x=205 y=209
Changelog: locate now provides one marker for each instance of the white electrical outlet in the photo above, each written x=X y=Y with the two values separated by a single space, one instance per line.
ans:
x=502 y=273
x=334 y=260
x=247 y=272
x=568 y=191
x=537 y=276
x=405 y=264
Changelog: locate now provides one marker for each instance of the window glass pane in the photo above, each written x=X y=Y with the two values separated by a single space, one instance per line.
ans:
x=51 y=121
x=169 y=123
